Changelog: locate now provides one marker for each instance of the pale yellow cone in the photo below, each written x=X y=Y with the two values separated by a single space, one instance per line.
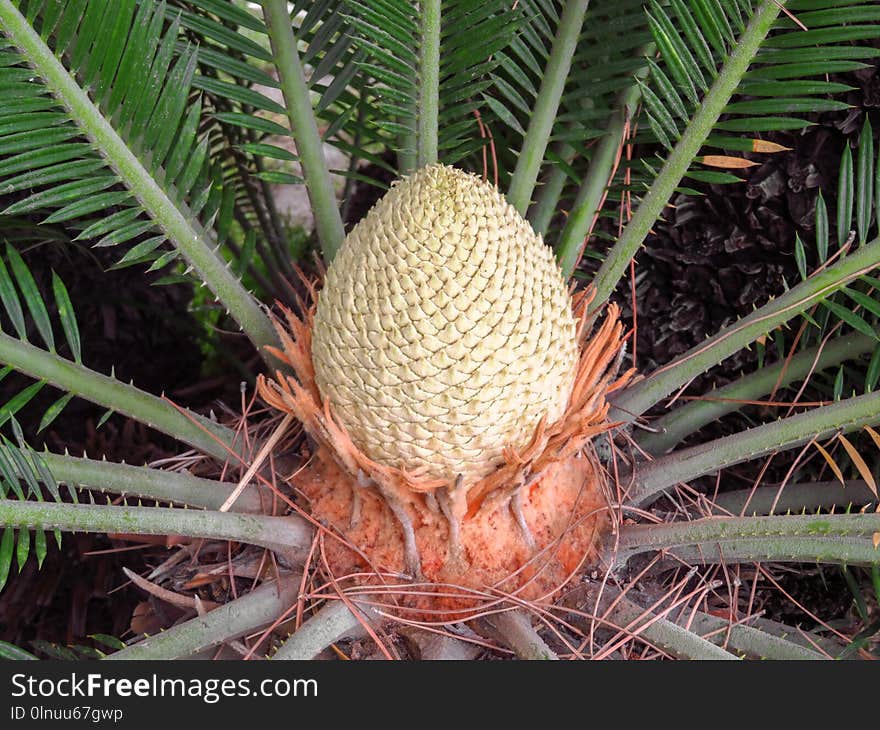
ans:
x=444 y=329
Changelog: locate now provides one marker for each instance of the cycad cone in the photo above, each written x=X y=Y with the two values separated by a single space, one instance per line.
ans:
x=443 y=344
x=444 y=330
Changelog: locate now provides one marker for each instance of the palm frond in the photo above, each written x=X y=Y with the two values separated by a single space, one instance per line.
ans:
x=610 y=51
x=232 y=55
x=386 y=39
x=77 y=184
x=28 y=312
x=42 y=341
x=21 y=473
x=787 y=78
x=521 y=65
x=128 y=161
x=698 y=75
x=472 y=42
x=855 y=308
x=345 y=103
x=674 y=53
x=45 y=345
x=596 y=111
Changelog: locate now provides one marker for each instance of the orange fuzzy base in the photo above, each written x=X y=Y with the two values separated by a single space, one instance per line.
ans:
x=564 y=510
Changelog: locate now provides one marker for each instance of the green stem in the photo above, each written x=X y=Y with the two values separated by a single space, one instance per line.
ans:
x=407 y=141
x=407 y=159
x=528 y=165
x=593 y=189
x=748 y=640
x=798 y=497
x=641 y=396
x=237 y=618
x=802 y=538
x=290 y=536
x=330 y=624
x=652 y=477
x=592 y=192
x=681 y=643
x=548 y=196
x=72 y=377
x=805 y=639
x=836 y=551
x=660 y=632
x=177 y=223
x=682 y=155
x=328 y=222
x=143 y=482
x=429 y=82
x=514 y=629
x=683 y=421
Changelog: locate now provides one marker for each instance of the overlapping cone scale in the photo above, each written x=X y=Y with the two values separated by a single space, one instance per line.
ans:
x=444 y=331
